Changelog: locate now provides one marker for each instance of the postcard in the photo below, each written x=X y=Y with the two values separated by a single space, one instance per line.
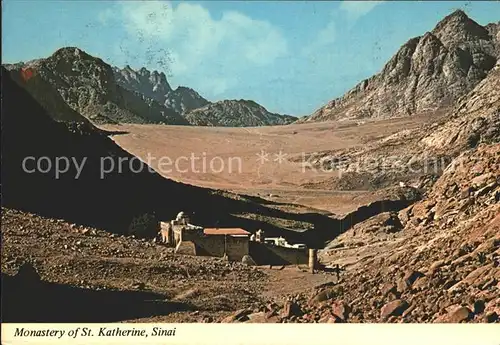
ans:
x=222 y=171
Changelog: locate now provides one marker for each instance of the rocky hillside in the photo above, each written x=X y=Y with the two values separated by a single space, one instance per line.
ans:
x=155 y=85
x=87 y=85
x=475 y=120
x=417 y=156
x=437 y=261
x=236 y=113
x=428 y=72
x=86 y=197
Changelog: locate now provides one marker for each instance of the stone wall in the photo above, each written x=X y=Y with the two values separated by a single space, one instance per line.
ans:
x=178 y=233
x=210 y=245
x=167 y=229
x=236 y=247
x=267 y=254
x=186 y=248
x=197 y=243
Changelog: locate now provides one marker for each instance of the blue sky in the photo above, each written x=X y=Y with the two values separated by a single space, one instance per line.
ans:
x=289 y=56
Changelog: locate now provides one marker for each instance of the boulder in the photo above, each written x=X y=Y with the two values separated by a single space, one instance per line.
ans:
x=394 y=308
x=291 y=309
x=411 y=276
x=341 y=310
x=491 y=317
x=238 y=316
x=323 y=296
x=459 y=314
x=479 y=307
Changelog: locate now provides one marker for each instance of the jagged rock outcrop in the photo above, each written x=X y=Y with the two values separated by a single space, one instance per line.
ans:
x=155 y=85
x=427 y=73
x=151 y=84
x=87 y=85
x=236 y=113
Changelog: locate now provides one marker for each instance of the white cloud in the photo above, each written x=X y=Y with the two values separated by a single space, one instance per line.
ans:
x=200 y=46
x=357 y=9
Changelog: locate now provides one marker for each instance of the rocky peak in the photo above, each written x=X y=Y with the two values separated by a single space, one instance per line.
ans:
x=70 y=69
x=76 y=66
x=184 y=99
x=457 y=17
x=144 y=71
x=427 y=73
x=151 y=84
x=160 y=80
x=75 y=56
x=154 y=84
x=457 y=27
x=75 y=52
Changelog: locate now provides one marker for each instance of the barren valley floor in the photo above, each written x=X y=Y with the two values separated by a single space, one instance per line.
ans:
x=285 y=182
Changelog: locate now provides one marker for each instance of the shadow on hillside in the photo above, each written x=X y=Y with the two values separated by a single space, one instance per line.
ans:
x=323 y=228
x=51 y=302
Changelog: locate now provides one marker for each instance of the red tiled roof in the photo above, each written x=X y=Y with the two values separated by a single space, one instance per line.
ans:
x=225 y=231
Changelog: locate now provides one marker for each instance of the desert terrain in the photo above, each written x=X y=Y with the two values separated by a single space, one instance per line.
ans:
x=285 y=182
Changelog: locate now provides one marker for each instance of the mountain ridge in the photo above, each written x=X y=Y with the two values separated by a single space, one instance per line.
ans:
x=71 y=82
x=235 y=113
x=87 y=85
x=194 y=108
x=155 y=85
x=427 y=73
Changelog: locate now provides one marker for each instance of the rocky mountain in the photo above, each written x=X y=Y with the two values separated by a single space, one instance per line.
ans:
x=184 y=99
x=428 y=72
x=87 y=85
x=71 y=82
x=155 y=85
x=197 y=110
x=418 y=156
x=236 y=113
